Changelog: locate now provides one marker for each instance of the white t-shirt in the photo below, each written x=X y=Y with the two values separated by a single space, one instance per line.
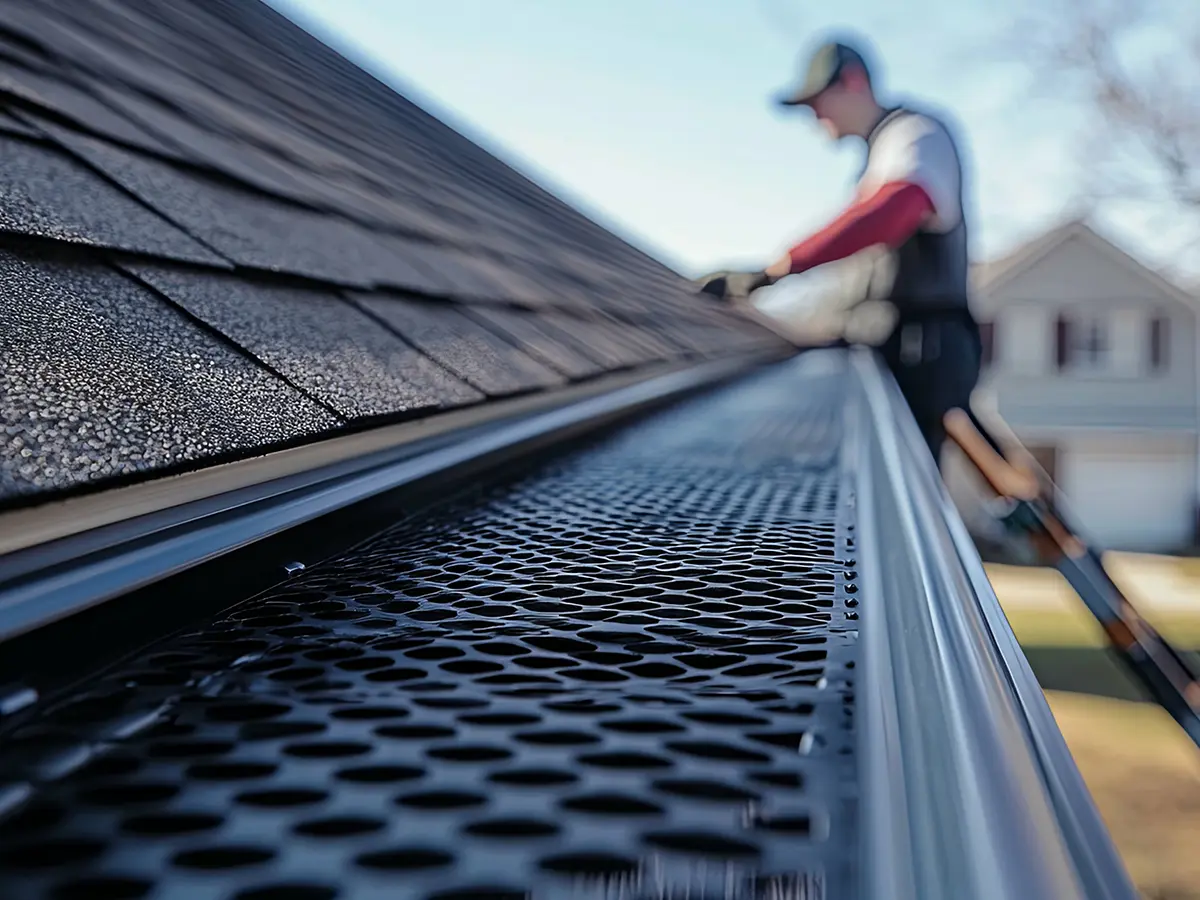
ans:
x=919 y=150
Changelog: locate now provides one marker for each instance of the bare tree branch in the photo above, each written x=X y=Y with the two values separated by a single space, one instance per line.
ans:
x=1145 y=112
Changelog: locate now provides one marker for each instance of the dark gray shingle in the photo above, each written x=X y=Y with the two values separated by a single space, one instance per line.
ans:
x=317 y=340
x=249 y=228
x=480 y=356
x=103 y=379
x=47 y=193
x=534 y=331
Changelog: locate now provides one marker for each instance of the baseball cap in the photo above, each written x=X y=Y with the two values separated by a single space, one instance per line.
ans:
x=823 y=68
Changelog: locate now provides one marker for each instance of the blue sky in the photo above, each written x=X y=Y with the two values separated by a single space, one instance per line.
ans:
x=655 y=115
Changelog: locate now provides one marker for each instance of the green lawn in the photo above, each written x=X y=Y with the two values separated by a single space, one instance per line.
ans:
x=1077 y=627
x=1143 y=772
x=1044 y=611
x=1144 y=775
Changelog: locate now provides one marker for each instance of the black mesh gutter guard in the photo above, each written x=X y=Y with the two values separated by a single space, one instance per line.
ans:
x=969 y=789
x=638 y=671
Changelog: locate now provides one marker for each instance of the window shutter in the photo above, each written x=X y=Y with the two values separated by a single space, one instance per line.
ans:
x=1158 y=344
x=987 y=337
x=1062 y=342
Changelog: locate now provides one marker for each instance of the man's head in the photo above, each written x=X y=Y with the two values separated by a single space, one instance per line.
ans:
x=836 y=86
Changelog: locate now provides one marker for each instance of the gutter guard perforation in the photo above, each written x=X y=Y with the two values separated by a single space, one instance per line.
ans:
x=630 y=669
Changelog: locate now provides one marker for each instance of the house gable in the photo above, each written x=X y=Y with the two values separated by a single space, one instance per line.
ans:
x=1041 y=305
x=1074 y=264
x=1095 y=389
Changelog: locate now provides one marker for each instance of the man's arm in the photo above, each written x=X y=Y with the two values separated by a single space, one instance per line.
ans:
x=914 y=183
x=889 y=216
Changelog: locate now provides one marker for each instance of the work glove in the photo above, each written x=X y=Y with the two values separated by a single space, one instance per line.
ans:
x=732 y=287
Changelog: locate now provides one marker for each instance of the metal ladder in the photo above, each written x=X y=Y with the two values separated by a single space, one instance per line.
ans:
x=1026 y=502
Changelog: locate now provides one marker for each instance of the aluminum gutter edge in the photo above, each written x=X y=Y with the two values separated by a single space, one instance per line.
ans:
x=967 y=787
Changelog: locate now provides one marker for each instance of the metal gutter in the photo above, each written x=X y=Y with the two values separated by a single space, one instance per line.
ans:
x=1105 y=876
x=47 y=582
x=967 y=786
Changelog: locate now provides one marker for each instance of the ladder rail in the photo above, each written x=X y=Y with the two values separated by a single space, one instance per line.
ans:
x=1034 y=507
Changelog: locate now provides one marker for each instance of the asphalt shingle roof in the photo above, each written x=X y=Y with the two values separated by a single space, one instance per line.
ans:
x=104 y=380
x=218 y=236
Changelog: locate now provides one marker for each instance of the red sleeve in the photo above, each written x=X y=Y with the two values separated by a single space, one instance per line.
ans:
x=889 y=216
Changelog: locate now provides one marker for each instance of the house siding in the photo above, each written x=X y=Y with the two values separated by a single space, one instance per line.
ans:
x=1078 y=275
x=1123 y=437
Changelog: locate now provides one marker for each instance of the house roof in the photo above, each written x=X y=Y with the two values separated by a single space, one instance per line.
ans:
x=992 y=274
x=219 y=236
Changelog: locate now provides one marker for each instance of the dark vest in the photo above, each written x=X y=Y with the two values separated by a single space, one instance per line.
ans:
x=927 y=275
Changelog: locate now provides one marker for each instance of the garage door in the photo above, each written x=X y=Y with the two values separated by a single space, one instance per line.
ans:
x=1131 y=498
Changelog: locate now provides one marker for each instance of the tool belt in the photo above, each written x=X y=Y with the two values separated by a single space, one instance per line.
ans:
x=912 y=341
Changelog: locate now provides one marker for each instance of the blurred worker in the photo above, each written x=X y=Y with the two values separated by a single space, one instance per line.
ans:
x=909 y=203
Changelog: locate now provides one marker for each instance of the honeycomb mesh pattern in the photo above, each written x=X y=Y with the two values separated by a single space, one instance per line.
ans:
x=629 y=674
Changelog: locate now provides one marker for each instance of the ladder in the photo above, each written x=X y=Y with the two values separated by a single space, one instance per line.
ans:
x=1028 y=505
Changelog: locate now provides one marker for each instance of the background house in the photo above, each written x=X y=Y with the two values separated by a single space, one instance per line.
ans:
x=1090 y=357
